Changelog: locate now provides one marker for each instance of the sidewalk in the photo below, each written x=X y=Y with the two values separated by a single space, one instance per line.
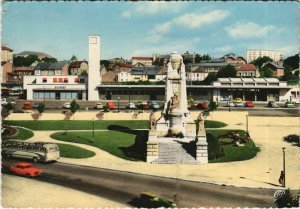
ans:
x=261 y=171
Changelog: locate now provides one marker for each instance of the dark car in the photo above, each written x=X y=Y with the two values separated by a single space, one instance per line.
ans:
x=202 y=105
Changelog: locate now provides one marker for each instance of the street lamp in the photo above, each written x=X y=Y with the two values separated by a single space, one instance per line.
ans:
x=283 y=172
x=118 y=104
x=129 y=95
x=247 y=124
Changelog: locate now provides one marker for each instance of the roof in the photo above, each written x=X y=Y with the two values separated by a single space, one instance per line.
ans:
x=209 y=64
x=145 y=70
x=51 y=66
x=23 y=68
x=255 y=80
x=274 y=64
x=247 y=67
x=27 y=53
x=142 y=58
x=123 y=65
x=76 y=64
x=6 y=48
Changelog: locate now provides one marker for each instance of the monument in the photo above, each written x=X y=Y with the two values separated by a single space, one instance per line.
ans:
x=175 y=137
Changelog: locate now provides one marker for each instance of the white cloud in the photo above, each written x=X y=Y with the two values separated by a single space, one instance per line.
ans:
x=189 y=20
x=152 y=8
x=195 y=20
x=226 y=48
x=247 y=30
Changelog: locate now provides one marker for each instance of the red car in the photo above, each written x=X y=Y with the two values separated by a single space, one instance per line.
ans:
x=249 y=104
x=202 y=105
x=111 y=105
x=27 y=106
x=25 y=169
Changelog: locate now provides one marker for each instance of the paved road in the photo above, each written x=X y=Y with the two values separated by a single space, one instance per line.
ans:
x=122 y=187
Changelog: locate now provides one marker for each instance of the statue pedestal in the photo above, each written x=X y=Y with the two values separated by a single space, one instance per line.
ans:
x=201 y=153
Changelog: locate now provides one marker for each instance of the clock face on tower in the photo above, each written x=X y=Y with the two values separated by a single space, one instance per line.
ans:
x=93 y=40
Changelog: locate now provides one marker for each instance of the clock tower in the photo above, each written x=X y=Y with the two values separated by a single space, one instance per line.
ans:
x=94 y=78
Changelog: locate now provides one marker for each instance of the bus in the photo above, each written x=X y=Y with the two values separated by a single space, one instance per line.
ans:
x=36 y=151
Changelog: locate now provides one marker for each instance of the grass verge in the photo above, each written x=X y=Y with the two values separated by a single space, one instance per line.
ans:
x=22 y=134
x=71 y=151
x=231 y=151
x=77 y=124
x=113 y=142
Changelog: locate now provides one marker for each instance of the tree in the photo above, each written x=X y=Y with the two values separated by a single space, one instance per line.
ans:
x=266 y=72
x=105 y=63
x=199 y=58
x=292 y=61
x=84 y=73
x=73 y=58
x=212 y=106
x=260 y=61
x=25 y=61
x=41 y=107
x=227 y=71
x=49 y=60
x=210 y=78
x=74 y=106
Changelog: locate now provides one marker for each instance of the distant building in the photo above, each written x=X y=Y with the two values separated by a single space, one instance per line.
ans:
x=247 y=70
x=144 y=73
x=6 y=54
x=278 y=70
x=188 y=58
x=40 y=55
x=253 y=54
x=197 y=74
x=78 y=67
x=231 y=58
x=109 y=77
x=121 y=67
x=58 y=68
x=124 y=76
x=145 y=61
x=7 y=67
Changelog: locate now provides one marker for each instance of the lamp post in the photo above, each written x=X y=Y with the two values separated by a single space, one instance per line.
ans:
x=118 y=104
x=247 y=124
x=129 y=95
x=93 y=130
x=283 y=155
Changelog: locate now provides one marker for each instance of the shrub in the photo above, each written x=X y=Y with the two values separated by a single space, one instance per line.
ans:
x=9 y=106
x=212 y=106
x=74 y=106
x=105 y=108
x=41 y=107
x=287 y=199
x=292 y=138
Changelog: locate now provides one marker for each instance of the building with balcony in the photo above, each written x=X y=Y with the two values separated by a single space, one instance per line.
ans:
x=253 y=54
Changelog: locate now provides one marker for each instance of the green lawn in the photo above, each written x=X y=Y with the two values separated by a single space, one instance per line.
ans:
x=71 y=151
x=78 y=124
x=22 y=134
x=88 y=125
x=113 y=142
x=214 y=124
x=232 y=152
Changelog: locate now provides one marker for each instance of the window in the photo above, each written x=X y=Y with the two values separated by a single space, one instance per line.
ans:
x=44 y=80
x=77 y=80
x=37 y=72
x=57 y=72
x=54 y=80
x=65 y=80
x=60 y=80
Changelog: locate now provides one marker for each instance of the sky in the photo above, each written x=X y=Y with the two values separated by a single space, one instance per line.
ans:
x=128 y=29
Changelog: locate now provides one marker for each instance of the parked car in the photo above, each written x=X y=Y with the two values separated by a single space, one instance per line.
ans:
x=27 y=106
x=5 y=101
x=238 y=104
x=111 y=105
x=249 y=104
x=272 y=104
x=25 y=169
x=143 y=105
x=99 y=105
x=230 y=104
x=130 y=105
x=5 y=168
x=202 y=105
x=237 y=100
x=151 y=200
x=67 y=105
x=153 y=104
x=289 y=104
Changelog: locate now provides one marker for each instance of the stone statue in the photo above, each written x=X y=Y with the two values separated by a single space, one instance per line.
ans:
x=201 y=121
x=174 y=102
x=152 y=121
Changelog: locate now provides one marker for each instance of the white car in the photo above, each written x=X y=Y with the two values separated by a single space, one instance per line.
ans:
x=99 y=105
x=67 y=105
x=239 y=104
x=131 y=105
x=230 y=104
x=5 y=101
